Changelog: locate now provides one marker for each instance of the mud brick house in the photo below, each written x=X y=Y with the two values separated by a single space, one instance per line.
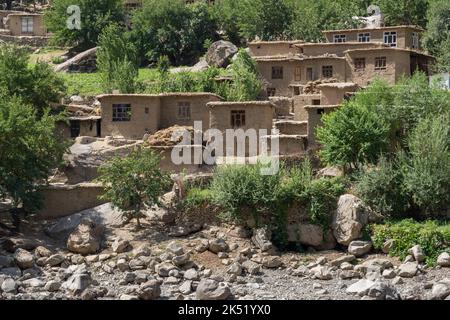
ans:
x=23 y=24
x=318 y=77
x=354 y=55
x=133 y=115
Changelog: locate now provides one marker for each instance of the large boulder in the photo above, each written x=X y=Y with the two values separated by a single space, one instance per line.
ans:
x=209 y=289
x=104 y=215
x=349 y=219
x=220 y=54
x=86 y=238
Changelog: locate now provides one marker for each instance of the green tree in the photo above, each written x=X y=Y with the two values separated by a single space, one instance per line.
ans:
x=37 y=85
x=404 y=12
x=353 y=135
x=437 y=36
x=131 y=183
x=225 y=13
x=265 y=19
x=117 y=61
x=310 y=18
x=95 y=16
x=31 y=149
x=174 y=29
x=426 y=165
x=246 y=84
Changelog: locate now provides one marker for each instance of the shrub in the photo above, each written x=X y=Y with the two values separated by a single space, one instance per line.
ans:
x=173 y=29
x=37 y=85
x=353 y=135
x=246 y=84
x=432 y=236
x=320 y=198
x=133 y=182
x=197 y=197
x=235 y=186
x=96 y=15
x=30 y=151
x=381 y=188
x=117 y=61
x=426 y=165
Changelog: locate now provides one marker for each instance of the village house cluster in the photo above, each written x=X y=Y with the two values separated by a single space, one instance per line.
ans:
x=302 y=80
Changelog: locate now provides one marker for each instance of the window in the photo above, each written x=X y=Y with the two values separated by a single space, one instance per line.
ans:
x=237 y=118
x=146 y=110
x=415 y=40
x=27 y=24
x=121 y=112
x=380 y=63
x=309 y=74
x=184 y=110
x=327 y=71
x=390 y=38
x=340 y=38
x=277 y=72
x=296 y=91
x=271 y=92
x=316 y=102
x=297 y=74
x=320 y=111
x=364 y=37
x=75 y=128
x=360 y=64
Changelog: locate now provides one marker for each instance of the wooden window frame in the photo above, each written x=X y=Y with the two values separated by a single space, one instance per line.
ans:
x=326 y=71
x=237 y=118
x=121 y=112
x=184 y=110
x=380 y=63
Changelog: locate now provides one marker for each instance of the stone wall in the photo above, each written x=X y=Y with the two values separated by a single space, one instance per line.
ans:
x=32 y=41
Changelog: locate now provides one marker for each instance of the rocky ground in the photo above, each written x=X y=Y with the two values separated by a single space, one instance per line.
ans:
x=218 y=262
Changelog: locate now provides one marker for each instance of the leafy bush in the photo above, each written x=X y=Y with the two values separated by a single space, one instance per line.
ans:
x=30 y=150
x=234 y=187
x=173 y=29
x=197 y=197
x=133 y=182
x=37 y=85
x=381 y=188
x=246 y=82
x=320 y=198
x=426 y=165
x=432 y=236
x=353 y=135
x=117 y=61
x=96 y=15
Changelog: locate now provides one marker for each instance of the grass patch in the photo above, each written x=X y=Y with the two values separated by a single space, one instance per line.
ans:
x=197 y=197
x=432 y=236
